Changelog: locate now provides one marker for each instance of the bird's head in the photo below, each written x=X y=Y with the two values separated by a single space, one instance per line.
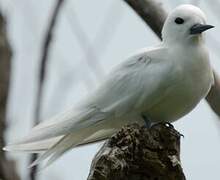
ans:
x=185 y=23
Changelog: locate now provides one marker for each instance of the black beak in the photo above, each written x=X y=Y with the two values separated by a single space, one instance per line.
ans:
x=199 y=28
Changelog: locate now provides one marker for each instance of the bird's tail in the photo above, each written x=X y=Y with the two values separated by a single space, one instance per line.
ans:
x=55 y=137
x=53 y=148
x=35 y=147
x=61 y=146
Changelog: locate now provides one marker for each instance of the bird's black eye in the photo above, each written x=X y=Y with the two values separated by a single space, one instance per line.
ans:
x=179 y=20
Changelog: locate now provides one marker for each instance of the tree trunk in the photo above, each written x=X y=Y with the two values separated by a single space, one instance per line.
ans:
x=138 y=153
x=7 y=168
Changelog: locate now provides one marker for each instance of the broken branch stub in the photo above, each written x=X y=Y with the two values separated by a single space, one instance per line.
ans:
x=138 y=153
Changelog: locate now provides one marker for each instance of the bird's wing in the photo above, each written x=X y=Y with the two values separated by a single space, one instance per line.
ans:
x=138 y=82
x=135 y=83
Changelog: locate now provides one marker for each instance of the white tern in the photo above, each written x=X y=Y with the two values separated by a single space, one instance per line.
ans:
x=160 y=84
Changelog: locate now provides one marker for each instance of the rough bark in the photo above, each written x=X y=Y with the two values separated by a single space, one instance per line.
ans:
x=7 y=167
x=154 y=15
x=138 y=153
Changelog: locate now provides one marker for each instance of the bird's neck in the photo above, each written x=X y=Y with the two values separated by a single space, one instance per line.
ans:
x=196 y=41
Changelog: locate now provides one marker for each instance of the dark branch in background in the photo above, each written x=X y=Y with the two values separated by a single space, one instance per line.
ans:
x=43 y=66
x=7 y=167
x=151 y=11
x=213 y=96
x=138 y=153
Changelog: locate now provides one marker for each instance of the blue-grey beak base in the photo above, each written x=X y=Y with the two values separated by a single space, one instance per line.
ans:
x=199 y=28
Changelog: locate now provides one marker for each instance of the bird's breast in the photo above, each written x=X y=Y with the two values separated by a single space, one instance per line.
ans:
x=190 y=80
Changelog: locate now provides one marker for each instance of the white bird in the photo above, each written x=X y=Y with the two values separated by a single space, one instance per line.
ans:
x=160 y=84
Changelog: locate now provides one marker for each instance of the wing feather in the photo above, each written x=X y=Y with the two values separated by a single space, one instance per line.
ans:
x=134 y=85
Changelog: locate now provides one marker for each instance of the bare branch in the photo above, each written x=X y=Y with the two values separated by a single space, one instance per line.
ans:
x=43 y=66
x=151 y=11
x=154 y=15
x=7 y=168
x=214 y=95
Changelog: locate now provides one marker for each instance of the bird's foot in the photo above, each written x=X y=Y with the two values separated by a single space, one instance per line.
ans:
x=167 y=124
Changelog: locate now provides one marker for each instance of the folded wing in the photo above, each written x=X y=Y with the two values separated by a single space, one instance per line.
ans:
x=130 y=87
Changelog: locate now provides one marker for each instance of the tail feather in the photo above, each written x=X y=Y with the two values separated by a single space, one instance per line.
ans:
x=89 y=135
x=55 y=138
x=70 y=123
x=35 y=147
x=73 y=116
x=67 y=142
x=98 y=136
x=60 y=149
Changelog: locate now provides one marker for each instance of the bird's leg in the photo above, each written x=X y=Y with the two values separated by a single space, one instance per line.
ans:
x=148 y=122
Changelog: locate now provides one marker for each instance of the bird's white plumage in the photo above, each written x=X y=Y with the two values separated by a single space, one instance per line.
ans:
x=163 y=83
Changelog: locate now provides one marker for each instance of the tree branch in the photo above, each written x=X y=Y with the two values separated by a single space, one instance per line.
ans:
x=7 y=168
x=152 y=12
x=136 y=153
x=213 y=96
x=43 y=66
